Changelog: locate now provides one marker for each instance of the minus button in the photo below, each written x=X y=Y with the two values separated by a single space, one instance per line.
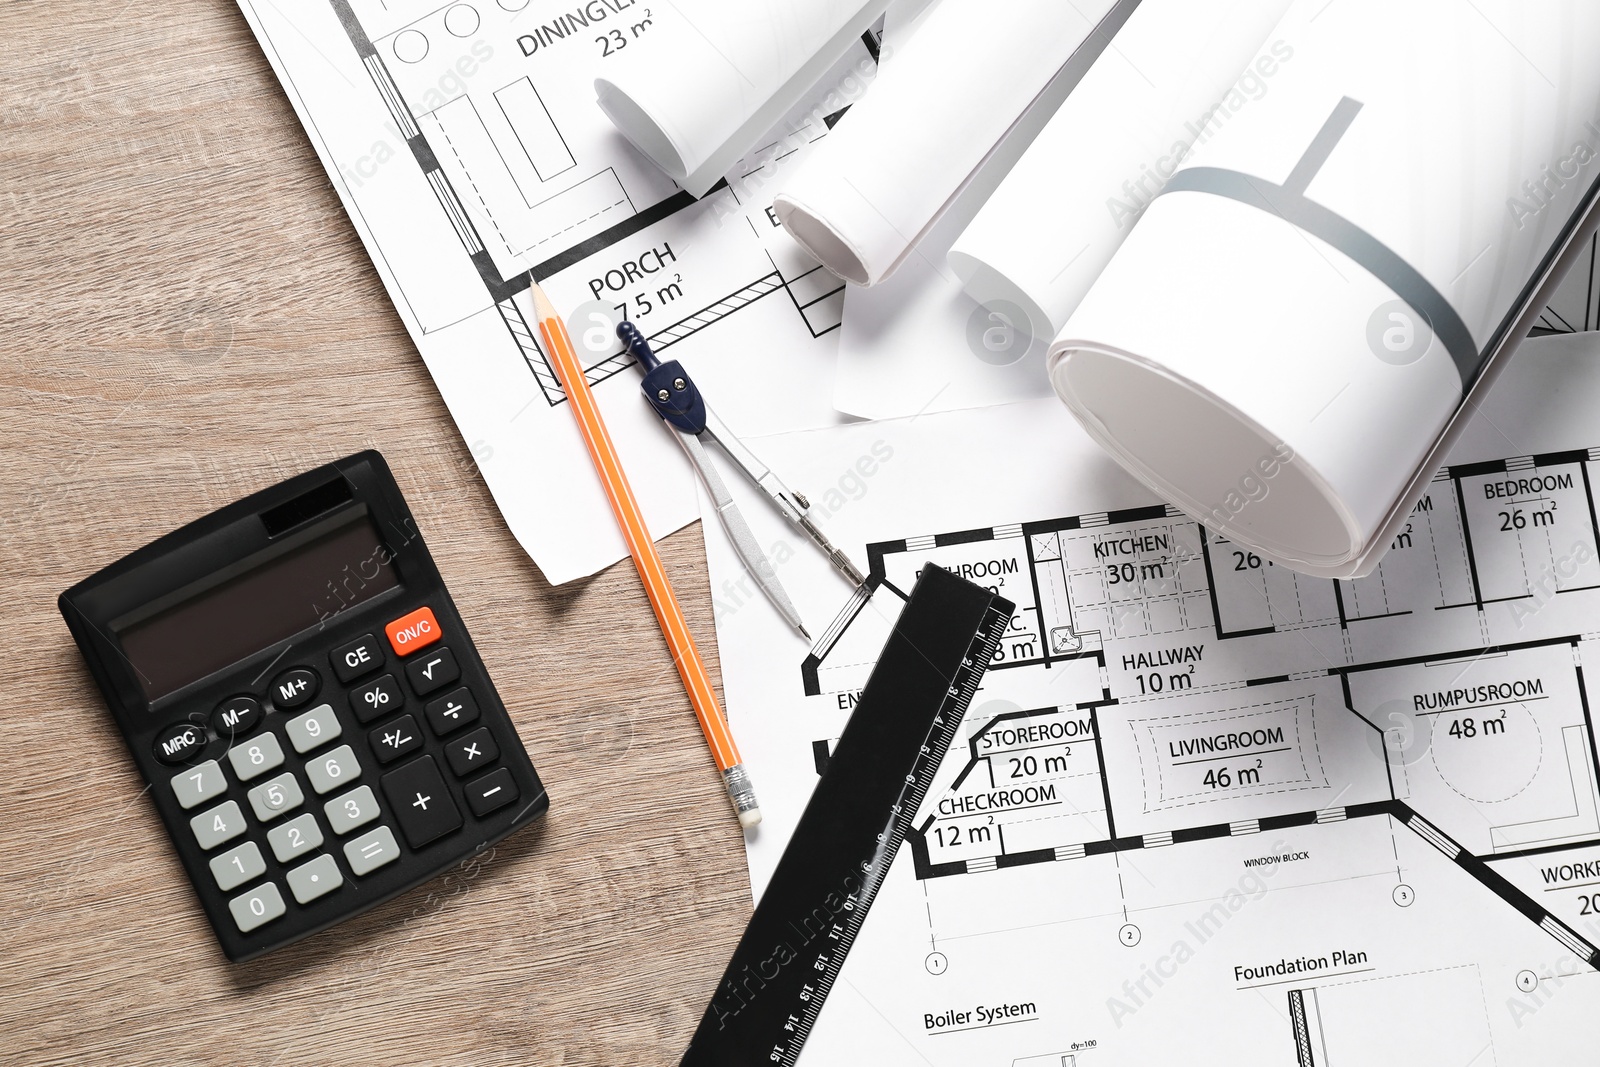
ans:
x=491 y=792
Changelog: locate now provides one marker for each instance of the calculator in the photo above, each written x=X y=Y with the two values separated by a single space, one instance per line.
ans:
x=300 y=693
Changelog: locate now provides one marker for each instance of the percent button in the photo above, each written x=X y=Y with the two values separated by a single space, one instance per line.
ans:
x=377 y=698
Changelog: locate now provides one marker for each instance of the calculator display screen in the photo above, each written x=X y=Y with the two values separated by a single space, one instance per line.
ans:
x=251 y=611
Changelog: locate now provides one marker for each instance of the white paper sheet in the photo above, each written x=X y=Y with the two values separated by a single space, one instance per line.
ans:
x=696 y=94
x=895 y=163
x=1140 y=913
x=1052 y=225
x=465 y=144
x=1332 y=266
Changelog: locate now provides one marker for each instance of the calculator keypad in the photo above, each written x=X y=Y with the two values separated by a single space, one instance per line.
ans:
x=316 y=727
x=199 y=784
x=275 y=796
x=253 y=758
x=420 y=801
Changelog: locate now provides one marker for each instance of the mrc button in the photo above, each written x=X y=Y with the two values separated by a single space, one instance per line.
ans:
x=180 y=741
x=411 y=632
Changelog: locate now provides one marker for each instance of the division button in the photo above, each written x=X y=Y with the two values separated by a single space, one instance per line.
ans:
x=275 y=796
x=395 y=739
x=355 y=808
x=467 y=754
x=256 y=908
x=452 y=711
x=237 y=866
x=236 y=717
x=332 y=770
x=432 y=671
x=297 y=837
x=294 y=688
x=377 y=698
x=252 y=759
x=411 y=632
x=359 y=657
x=421 y=801
x=180 y=741
x=371 y=850
x=316 y=727
x=199 y=784
x=221 y=823
x=491 y=792
x=315 y=878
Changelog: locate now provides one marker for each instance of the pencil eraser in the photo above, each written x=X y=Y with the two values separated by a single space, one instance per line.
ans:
x=749 y=818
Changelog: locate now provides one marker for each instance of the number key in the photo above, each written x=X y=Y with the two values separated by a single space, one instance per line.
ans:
x=355 y=808
x=376 y=698
x=333 y=769
x=294 y=838
x=254 y=758
x=238 y=865
x=222 y=823
x=256 y=908
x=275 y=796
x=199 y=784
x=316 y=727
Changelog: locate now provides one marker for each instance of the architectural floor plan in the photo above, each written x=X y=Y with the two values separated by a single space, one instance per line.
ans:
x=466 y=144
x=1206 y=804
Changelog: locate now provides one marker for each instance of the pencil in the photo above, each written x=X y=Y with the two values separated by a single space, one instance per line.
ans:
x=564 y=358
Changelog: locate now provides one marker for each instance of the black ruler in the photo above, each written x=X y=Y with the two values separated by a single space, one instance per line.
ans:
x=879 y=773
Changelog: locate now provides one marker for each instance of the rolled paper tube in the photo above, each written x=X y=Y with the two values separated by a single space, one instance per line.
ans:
x=1282 y=341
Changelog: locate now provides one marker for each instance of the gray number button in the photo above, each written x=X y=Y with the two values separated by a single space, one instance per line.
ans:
x=255 y=757
x=259 y=906
x=199 y=784
x=297 y=837
x=371 y=850
x=356 y=808
x=311 y=880
x=333 y=769
x=222 y=823
x=238 y=865
x=275 y=796
x=316 y=727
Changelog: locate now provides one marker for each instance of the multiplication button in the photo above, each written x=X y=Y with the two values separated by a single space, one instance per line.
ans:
x=467 y=754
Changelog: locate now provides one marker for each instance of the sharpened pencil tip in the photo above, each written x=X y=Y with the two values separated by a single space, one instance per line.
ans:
x=803 y=632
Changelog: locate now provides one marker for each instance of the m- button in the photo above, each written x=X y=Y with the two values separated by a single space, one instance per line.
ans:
x=411 y=632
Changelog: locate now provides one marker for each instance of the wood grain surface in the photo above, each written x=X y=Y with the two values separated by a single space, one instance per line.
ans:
x=188 y=316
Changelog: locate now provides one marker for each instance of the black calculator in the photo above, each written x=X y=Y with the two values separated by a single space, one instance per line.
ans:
x=300 y=693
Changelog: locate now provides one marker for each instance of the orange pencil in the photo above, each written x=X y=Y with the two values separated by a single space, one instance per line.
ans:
x=564 y=358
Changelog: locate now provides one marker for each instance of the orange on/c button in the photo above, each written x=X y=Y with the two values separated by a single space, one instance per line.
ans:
x=411 y=632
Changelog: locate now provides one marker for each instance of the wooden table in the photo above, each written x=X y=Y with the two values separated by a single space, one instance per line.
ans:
x=188 y=316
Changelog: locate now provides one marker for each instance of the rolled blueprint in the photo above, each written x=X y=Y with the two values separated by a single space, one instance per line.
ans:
x=697 y=91
x=1054 y=223
x=1282 y=343
x=891 y=166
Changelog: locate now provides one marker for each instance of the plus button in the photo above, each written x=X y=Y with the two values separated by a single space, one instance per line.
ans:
x=421 y=802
